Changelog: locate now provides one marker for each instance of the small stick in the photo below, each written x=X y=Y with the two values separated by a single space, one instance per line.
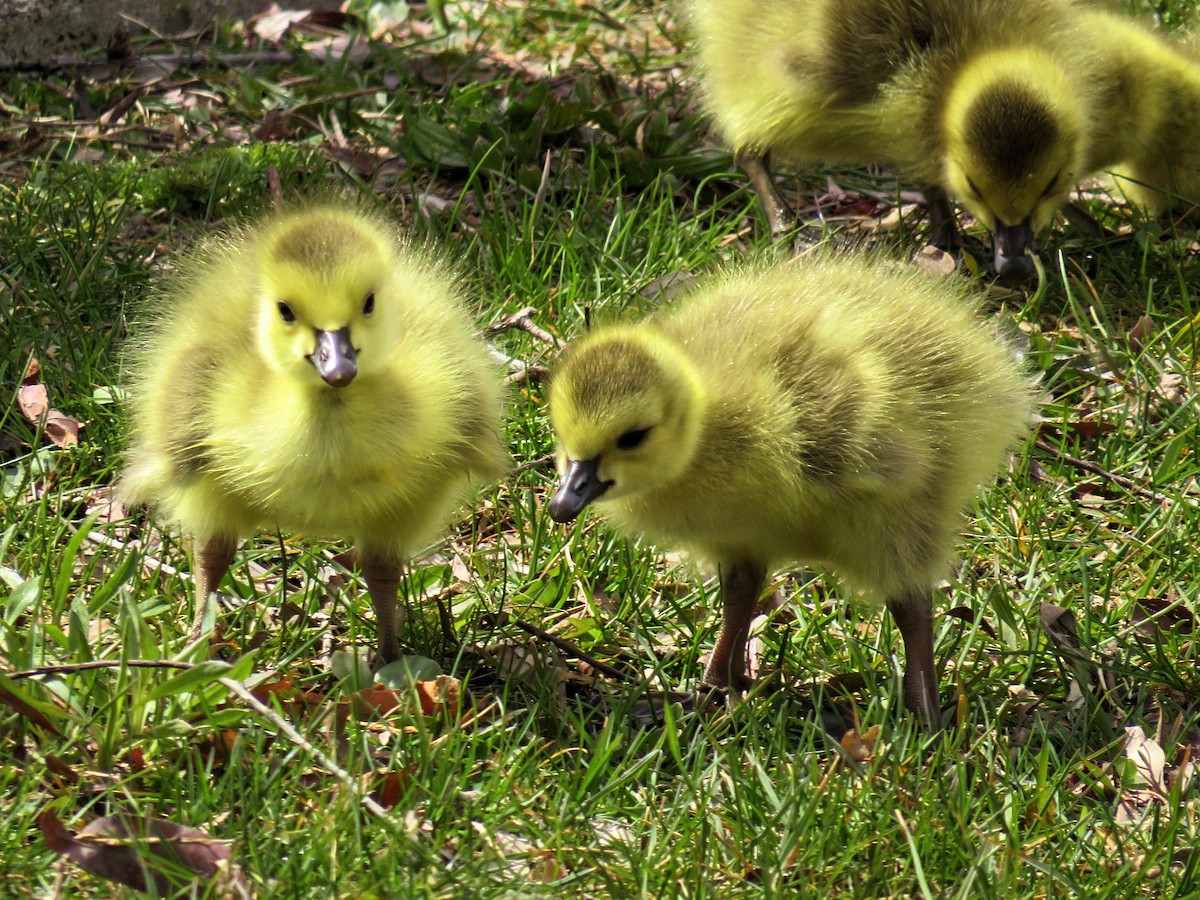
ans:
x=148 y=562
x=523 y=372
x=522 y=319
x=570 y=649
x=546 y=460
x=1128 y=483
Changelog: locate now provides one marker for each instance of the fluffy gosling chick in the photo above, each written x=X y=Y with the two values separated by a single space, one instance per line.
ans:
x=313 y=374
x=838 y=411
x=1149 y=85
x=986 y=100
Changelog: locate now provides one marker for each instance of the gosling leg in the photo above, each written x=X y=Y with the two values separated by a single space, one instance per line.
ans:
x=741 y=585
x=757 y=168
x=913 y=613
x=382 y=575
x=213 y=559
x=943 y=226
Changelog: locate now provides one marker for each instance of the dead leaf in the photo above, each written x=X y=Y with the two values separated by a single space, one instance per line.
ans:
x=20 y=707
x=441 y=693
x=1059 y=625
x=1170 y=388
x=1147 y=756
x=1153 y=615
x=378 y=698
x=139 y=852
x=860 y=747
x=1142 y=329
x=33 y=401
x=935 y=261
x=276 y=22
x=386 y=788
x=61 y=429
x=968 y=615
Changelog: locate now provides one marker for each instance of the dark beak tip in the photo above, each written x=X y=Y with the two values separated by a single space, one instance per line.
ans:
x=1014 y=270
x=334 y=357
x=560 y=512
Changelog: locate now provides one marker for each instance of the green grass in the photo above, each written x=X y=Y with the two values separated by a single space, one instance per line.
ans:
x=549 y=781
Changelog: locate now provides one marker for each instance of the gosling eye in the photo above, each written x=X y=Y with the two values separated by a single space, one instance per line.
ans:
x=974 y=189
x=369 y=304
x=632 y=439
x=285 y=312
x=1051 y=185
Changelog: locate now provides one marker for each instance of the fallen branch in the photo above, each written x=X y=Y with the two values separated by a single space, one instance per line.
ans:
x=522 y=320
x=1128 y=483
x=570 y=649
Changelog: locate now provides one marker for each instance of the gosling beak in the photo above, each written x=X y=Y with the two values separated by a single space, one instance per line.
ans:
x=579 y=486
x=334 y=357
x=1014 y=248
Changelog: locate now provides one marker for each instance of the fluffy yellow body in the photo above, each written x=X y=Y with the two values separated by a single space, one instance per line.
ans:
x=241 y=422
x=837 y=411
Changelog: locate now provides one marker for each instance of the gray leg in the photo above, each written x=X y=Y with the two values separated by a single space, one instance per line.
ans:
x=382 y=575
x=213 y=558
x=741 y=584
x=757 y=167
x=913 y=613
x=943 y=226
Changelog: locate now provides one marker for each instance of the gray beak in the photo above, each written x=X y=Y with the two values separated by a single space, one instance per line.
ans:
x=334 y=357
x=1013 y=249
x=579 y=487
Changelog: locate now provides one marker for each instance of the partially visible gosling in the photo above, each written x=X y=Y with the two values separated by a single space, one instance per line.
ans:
x=988 y=101
x=312 y=373
x=1149 y=88
x=838 y=411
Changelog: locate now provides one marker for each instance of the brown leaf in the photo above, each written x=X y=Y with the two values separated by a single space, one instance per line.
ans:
x=21 y=708
x=441 y=693
x=1060 y=626
x=1143 y=328
x=1151 y=615
x=387 y=788
x=139 y=852
x=1147 y=757
x=860 y=747
x=33 y=401
x=935 y=261
x=33 y=371
x=1170 y=387
x=968 y=615
x=378 y=698
x=63 y=430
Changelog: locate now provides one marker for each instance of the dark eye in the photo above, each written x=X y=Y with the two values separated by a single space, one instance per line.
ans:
x=632 y=438
x=285 y=312
x=1050 y=187
x=974 y=189
x=369 y=304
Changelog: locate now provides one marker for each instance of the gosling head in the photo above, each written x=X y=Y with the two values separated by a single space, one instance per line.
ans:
x=627 y=407
x=324 y=294
x=1014 y=134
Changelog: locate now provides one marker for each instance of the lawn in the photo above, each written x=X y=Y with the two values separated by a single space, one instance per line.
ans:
x=557 y=154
